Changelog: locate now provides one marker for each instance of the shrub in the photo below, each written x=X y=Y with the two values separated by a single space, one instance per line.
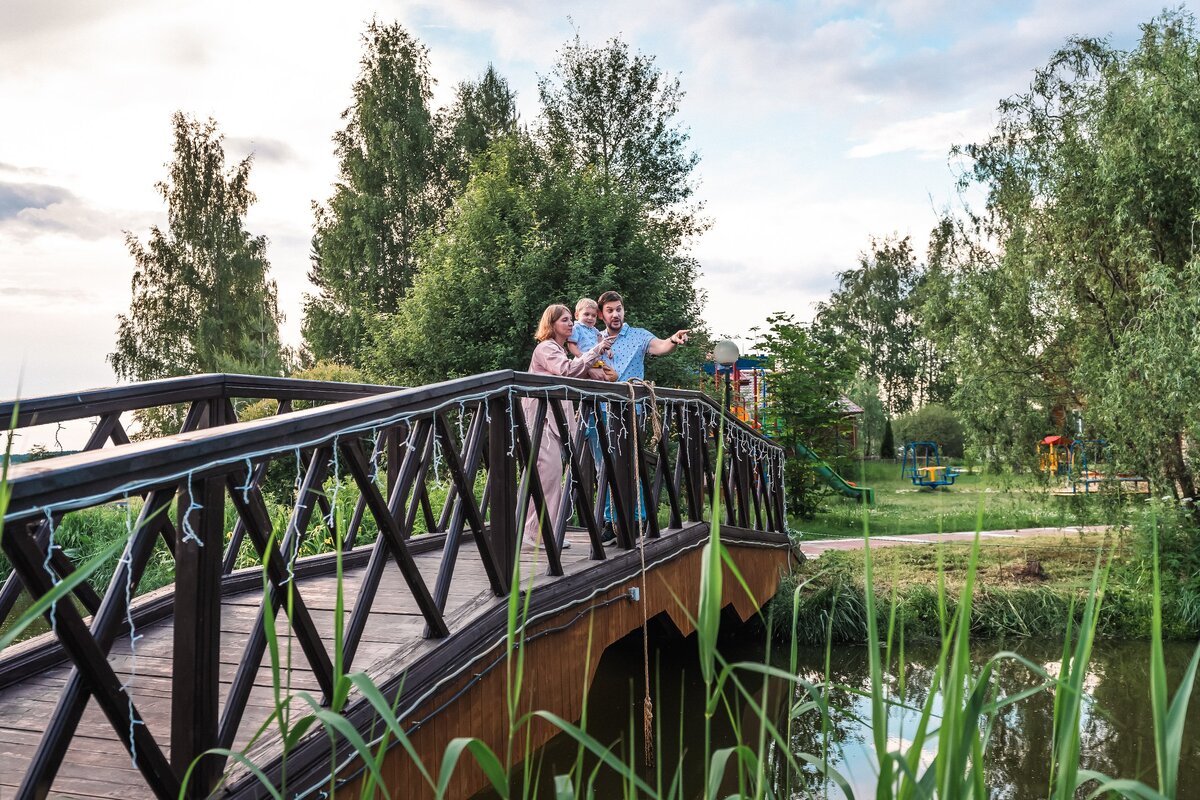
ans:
x=932 y=423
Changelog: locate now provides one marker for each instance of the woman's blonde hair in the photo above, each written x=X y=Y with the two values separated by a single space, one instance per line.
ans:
x=545 y=328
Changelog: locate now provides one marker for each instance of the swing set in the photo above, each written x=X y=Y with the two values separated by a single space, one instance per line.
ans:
x=923 y=465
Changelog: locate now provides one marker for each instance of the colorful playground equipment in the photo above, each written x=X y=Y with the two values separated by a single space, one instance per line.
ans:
x=1054 y=455
x=748 y=402
x=835 y=481
x=922 y=464
x=1085 y=471
x=748 y=378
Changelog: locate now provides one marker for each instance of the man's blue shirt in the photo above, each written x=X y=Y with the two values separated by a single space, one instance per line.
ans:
x=629 y=352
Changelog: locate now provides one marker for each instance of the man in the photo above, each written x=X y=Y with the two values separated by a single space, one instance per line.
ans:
x=628 y=359
x=632 y=344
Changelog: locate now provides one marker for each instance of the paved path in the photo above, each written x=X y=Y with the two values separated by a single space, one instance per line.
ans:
x=813 y=548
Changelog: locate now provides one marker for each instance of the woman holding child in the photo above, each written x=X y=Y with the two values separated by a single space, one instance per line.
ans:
x=550 y=358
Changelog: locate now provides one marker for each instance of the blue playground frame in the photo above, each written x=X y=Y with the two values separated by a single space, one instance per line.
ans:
x=923 y=465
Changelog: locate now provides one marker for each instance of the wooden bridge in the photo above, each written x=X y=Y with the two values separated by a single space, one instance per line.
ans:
x=418 y=498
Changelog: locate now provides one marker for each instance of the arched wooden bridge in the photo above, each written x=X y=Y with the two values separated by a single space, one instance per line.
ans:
x=130 y=687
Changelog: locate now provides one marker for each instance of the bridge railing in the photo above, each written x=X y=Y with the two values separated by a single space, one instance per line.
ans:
x=475 y=439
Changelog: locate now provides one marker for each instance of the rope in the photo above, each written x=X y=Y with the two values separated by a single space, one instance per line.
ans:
x=647 y=702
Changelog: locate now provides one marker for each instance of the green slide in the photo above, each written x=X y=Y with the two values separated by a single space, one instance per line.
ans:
x=836 y=481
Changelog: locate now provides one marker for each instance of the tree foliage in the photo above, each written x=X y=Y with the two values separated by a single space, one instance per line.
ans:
x=878 y=306
x=388 y=194
x=202 y=300
x=887 y=448
x=874 y=420
x=613 y=112
x=932 y=423
x=809 y=365
x=522 y=236
x=1076 y=285
x=448 y=234
x=483 y=112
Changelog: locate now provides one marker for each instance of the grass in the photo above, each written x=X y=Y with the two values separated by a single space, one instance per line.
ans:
x=1033 y=587
x=1007 y=501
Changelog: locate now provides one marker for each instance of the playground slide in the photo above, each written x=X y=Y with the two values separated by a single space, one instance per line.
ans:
x=837 y=482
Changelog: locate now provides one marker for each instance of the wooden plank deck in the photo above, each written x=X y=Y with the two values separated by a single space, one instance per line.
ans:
x=98 y=765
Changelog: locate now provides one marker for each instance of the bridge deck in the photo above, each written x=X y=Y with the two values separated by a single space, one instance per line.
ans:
x=97 y=765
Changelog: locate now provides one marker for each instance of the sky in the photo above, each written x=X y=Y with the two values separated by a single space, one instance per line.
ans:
x=819 y=125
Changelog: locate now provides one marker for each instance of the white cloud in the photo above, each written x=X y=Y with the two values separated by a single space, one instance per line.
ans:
x=928 y=137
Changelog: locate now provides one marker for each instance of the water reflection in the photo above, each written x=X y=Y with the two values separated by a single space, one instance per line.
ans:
x=1116 y=726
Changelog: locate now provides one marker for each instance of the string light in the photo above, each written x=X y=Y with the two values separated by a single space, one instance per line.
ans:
x=127 y=685
x=50 y=548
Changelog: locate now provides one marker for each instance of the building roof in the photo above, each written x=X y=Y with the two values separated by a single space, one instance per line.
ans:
x=848 y=406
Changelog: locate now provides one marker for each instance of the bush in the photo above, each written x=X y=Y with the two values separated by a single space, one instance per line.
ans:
x=932 y=423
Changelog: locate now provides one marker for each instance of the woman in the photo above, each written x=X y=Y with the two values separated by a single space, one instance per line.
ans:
x=550 y=358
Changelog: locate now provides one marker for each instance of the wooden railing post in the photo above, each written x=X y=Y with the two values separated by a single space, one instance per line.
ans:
x=691 y=439
x=502 y=480
x=777 y=496
x=195 y=683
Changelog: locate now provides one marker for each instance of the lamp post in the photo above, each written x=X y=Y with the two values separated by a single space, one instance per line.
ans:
x=726 y=354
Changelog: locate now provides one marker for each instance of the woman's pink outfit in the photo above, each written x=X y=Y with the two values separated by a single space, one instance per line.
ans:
x=550 y=358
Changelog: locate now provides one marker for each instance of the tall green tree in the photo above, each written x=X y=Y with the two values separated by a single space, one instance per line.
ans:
x=873 y=422
x=524 y=235
x=202 y=299
x=613 y=111
x=1093 y=182
x=483 y=111
x=388 y=194
x=809 y=367
x=878 y=305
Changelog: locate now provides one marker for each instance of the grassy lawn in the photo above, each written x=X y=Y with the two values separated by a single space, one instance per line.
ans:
x=1005 y=501
x=1063 y=561
x=1026 y=588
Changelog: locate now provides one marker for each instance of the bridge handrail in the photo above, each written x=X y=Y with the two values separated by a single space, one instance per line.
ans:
x=69 y=406
x=91 y=477
x=202 y=470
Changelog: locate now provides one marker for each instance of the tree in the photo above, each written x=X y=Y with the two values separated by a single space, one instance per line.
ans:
x=877 y=305
x=808 y=368
x=522 y=236
x=611 y=111
x=887 y=448
x=1093 y=182
x=864 y=392
x=483 y=112
x=387 y=196
x=932 y=423
x=202 y=301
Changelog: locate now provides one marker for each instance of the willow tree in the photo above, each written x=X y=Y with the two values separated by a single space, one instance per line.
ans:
x=1093 y=182
x=202 y=299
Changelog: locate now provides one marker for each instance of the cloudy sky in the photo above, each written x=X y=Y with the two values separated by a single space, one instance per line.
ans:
x=818 y=124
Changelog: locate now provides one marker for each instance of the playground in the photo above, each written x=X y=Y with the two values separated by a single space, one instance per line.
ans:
x=1005 y=501
x=1080 y=466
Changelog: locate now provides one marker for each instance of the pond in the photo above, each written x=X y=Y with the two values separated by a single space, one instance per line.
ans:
x=1117 y=733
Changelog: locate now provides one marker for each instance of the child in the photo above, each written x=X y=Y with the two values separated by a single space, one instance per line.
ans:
x=584 y=336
